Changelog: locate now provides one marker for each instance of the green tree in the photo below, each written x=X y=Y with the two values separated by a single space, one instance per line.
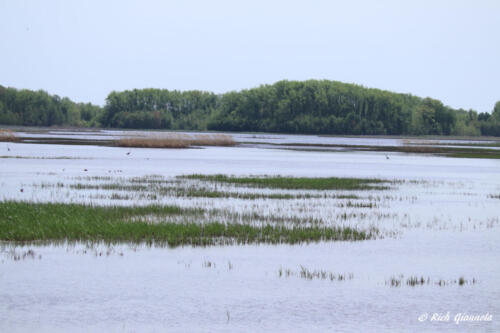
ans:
x=496 y=112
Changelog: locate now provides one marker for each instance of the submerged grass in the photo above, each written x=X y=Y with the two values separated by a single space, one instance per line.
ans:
x=25 y=222
x=295 y=183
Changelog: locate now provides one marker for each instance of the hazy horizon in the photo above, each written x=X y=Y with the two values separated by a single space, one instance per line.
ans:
x=447 y=50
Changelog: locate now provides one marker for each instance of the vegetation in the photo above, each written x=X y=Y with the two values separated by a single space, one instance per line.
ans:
x=192 y=192
x=314 y=107
x=23 y=221
x=479 y=153
x=331 y=183
x=8 y=135
x=43 y=157
x=413 y=281
x=307 y=274
x=445 y=150
x=38 y=108
x=156 y=108
x=177 y=140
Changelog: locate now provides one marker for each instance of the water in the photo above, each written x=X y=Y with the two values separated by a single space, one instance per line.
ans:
x=445 y=227
x=158 y=289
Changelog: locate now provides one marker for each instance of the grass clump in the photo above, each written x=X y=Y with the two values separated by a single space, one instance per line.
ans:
x=25 y=222
x=177 y=140
x=295 y=183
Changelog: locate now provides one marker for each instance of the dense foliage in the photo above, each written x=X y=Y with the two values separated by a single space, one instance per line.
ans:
x=329 y=107
x=311 y=107
x=38 y=108
x=155 y=108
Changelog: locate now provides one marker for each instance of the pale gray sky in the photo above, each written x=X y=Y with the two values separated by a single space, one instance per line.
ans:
x=447 y=49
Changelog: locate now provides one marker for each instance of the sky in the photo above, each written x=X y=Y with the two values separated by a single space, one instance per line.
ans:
x=445 y=49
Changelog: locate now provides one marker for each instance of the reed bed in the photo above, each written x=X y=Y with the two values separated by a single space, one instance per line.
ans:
x=177 y=140
x=28 y=222
x=8 y=136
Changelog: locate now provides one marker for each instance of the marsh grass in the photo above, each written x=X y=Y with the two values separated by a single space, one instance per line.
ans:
x=308 y=274
x=109 y=187
x=449 y=151
x=209 y=264
x=162 y=187
x=8 y=136
x=25 y=222
x=452 y=144
x=295 y=183
x=206 y=193
x=177 y=140
x=414 y=281
x=479 y=153
x=44 y=157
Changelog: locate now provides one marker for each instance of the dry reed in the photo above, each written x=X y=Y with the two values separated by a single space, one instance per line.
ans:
x=176 y=140
x=8 y=135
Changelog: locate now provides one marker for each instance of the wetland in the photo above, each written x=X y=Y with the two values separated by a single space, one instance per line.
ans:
x=246 y=236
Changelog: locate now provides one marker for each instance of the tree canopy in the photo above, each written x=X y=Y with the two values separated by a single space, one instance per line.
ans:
x=309 y=107
x=38 y=108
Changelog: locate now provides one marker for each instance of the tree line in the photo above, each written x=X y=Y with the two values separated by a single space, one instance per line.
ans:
x=38 y=108
x=307 y=107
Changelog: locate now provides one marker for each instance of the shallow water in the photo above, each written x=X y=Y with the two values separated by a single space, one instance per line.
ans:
x=445 y=227
x=157 y=288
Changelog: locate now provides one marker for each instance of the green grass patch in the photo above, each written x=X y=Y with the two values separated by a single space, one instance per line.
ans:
x=479 y=153
x=296 y=183
x=25 y=222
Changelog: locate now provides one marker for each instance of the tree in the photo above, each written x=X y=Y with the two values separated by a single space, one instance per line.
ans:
x=496 y=112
